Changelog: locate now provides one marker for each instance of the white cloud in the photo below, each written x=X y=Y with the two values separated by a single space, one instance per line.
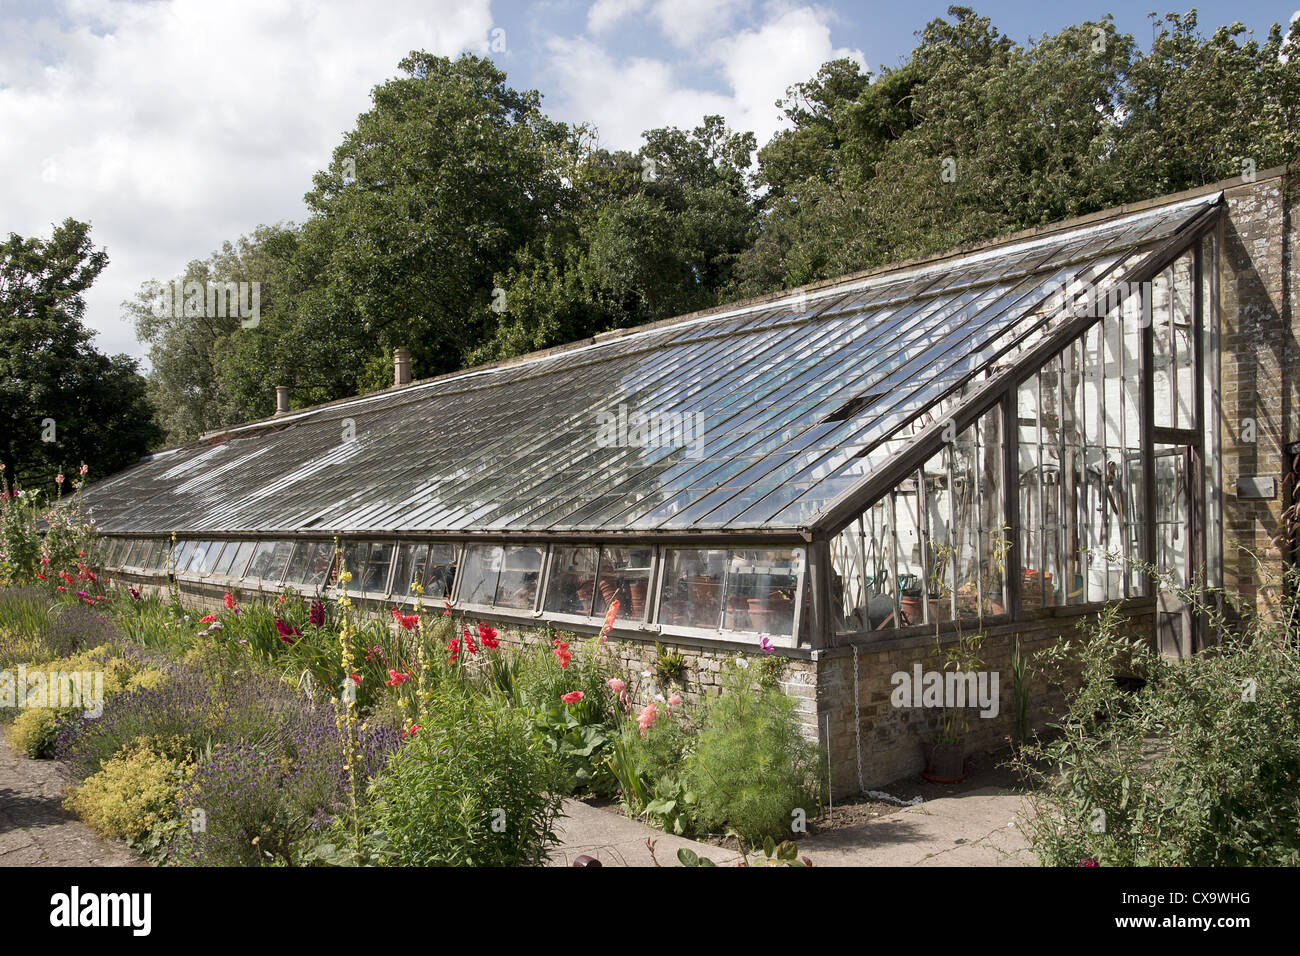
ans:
x=686 y=22
x=175 y=125
x=752 y=69
x=605 y=14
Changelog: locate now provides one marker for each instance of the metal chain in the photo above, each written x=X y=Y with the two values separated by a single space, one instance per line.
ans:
x=857 y=719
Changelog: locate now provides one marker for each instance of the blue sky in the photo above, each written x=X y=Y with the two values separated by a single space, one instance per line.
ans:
x=172 y=125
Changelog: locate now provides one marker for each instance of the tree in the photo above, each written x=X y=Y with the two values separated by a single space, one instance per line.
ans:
x=652 y=234
x=64 y=402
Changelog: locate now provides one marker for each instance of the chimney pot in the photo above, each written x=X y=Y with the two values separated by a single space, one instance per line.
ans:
x=401 y=367
x=282 y=399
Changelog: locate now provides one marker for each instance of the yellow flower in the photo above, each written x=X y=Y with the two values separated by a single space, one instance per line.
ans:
x=345 y=577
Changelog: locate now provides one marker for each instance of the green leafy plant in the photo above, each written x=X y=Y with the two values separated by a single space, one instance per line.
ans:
x=752 y=769
x=669 y=666
x=474 y=787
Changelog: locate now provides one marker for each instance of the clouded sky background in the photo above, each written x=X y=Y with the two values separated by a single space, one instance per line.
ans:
x=173 y=125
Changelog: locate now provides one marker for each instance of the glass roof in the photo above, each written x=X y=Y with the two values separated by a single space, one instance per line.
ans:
x=780 y=407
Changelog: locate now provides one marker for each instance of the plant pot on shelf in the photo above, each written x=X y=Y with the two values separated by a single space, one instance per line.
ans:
x=636 y=592
x=703 y=589
x=945 y=763
x=608 y=590
x=760 y=619
x=911 y=604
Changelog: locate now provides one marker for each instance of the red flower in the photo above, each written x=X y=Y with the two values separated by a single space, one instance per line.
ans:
x=356 y=678
x=610 y=616
x=230 y=600
x=446 y=607
x=487 y=636
x=562 y=652
x=396 y=678
x=572 y=698
x=407 y=621
x=287 y=634
x=410 y=731
x=207 y=620
x=454 y=646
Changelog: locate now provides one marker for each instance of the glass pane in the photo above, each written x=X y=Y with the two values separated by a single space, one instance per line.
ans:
x=521 y=567
x=1173 y=531
x=371 y=577
x=311 y=564
x=625 y=575
x=572 y=584
x=761 y=587
x=182 y=553
x=440 y=571
x=235 y=558
x=410 y=569
x=479 y=576
x=692 y=588
x=267 y=566
x=206 y=559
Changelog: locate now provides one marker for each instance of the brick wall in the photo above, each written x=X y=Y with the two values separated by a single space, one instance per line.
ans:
x=1260 y=384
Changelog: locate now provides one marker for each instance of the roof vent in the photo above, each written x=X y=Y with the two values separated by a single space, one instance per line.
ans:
x=282 y=399
x=401 y=367
x=851 y=407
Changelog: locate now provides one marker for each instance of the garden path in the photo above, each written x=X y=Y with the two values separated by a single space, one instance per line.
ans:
x=35 y=830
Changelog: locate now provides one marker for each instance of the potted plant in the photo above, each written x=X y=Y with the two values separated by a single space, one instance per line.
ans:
x=945 y=756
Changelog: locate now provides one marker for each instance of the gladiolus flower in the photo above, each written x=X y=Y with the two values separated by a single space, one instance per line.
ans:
x=407 y=621
x=572 y=698
x=207 y=620
x=230 y=601
x=356 y=678
x=454 y=646
x=766 y=645
x=487 y=636
x=396 y=678
x=446 y=607
x=610 y=616
x=58 y=479
x=649 y=714
x=616 y=685
x=674 y=701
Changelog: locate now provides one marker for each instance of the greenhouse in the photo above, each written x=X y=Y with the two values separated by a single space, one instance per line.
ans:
x=977 y=436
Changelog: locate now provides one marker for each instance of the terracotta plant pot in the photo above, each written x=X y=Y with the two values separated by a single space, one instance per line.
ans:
x=912 y=608
x=760 y=619
x=945 y=763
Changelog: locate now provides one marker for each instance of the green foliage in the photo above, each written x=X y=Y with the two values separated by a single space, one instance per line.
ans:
x=669 y=666
x=34 y=730
x=1077 y=121
x=1196 y=768
x=650 y=769
x=50 y=370
x=132 y=796
x=475 y=787
x=752 y=769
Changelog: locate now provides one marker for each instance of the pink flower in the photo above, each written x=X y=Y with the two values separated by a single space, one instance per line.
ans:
x=207 y=620
x=572 y=698
x=766 y=645
x=397 y=677
x=648 y=716
x=674 y=701
x=616 y=685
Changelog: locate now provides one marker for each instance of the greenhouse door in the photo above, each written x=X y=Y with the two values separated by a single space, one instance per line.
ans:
x=1175 y=557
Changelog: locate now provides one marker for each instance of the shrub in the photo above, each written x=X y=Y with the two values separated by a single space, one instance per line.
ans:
x=752 y=769
x=650 y=768
x=474 y=787
x=34 y=730
x=132 y=797
x=1198 y=767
